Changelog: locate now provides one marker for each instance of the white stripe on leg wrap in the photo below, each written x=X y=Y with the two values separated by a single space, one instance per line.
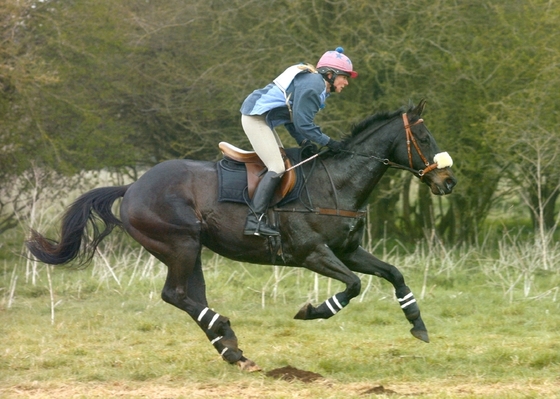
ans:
x=408 y=303
x=335 y=300
x=406 y=297
x=213 y=320
x=330 y=307
x=201 y=315
x=407 y=300
x=216 y=340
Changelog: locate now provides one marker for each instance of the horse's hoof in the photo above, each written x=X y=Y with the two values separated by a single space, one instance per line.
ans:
x=419 y=329
x=304 y=312
x=422 y=335
x=248 y=365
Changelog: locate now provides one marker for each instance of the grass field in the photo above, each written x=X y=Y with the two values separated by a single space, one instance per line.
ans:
x=104 y=331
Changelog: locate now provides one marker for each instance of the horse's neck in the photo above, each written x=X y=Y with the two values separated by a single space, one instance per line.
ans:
x=356 y=176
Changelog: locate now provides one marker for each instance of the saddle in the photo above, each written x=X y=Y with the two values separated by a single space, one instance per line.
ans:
x=256 y=169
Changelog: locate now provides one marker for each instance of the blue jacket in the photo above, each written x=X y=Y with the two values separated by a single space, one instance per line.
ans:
x=307 y=95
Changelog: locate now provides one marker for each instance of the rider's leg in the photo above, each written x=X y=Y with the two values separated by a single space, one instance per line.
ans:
x=266 y=144
x=257 y=223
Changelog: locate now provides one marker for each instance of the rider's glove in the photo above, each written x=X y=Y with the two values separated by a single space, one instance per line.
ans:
x=334 y=146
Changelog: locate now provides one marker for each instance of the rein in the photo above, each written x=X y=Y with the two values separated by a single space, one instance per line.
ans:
x=409 y=139
x=318 y=210
x=359 y=214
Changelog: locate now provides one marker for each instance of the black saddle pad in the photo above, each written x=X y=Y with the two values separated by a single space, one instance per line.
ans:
x=232 y=180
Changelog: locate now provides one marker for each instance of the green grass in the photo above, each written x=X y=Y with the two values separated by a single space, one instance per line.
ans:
x=113 y=336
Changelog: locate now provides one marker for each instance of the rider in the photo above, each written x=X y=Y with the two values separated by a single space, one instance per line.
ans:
x=292 y=100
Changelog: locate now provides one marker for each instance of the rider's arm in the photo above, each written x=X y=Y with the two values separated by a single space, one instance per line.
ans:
x=309 y=92
x=294 y=133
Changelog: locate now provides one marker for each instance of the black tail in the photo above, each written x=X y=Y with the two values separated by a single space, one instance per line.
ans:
x=74 y=222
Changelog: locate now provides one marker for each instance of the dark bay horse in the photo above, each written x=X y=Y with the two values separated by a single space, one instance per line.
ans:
x=173 y=211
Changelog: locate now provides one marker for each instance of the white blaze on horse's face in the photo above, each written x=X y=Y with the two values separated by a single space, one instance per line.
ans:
x=443 y=160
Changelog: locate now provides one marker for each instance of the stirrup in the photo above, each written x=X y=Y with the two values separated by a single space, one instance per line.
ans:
x=258 y=226
x=264 y=229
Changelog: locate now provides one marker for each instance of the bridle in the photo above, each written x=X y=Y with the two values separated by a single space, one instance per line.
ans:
x=411 y=139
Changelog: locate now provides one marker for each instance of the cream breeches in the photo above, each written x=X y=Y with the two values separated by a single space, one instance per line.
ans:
x=265 y=142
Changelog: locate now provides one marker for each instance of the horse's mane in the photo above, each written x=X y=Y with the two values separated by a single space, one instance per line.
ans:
x=373 y=119
x=376 y=118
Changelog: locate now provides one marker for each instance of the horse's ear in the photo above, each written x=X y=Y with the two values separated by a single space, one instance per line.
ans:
x=419 y=108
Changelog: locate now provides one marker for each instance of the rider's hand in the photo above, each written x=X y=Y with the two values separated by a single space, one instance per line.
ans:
x=334 y=146
x=308 y=148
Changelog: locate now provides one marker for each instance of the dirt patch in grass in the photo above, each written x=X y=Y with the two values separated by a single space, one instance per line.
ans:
x=290 y=373
x=379 y=390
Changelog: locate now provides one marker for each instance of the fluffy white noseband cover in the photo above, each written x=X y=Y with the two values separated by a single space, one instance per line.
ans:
x=443 y=160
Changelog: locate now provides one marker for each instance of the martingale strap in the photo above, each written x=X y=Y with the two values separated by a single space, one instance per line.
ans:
x=340 y=212
x=326 y=211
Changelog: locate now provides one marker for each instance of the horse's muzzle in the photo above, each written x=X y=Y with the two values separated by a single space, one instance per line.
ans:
x=441 y=181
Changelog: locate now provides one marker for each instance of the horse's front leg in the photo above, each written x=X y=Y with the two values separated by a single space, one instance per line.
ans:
x=325 y=263
x=361 y=261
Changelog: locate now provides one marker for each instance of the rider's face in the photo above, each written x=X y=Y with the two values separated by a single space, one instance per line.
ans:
x=340 y=82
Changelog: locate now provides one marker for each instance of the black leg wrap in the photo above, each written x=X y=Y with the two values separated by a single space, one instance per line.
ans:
x=220 y=334
x=210 y=320
x=411 y=311
x=325 y=310
x=408 y=303
x=225 y=344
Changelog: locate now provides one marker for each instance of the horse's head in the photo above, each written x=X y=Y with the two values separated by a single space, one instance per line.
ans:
x=401 y=140
x=418 y=151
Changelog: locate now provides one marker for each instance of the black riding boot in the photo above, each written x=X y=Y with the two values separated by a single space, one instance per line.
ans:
x=257 y=222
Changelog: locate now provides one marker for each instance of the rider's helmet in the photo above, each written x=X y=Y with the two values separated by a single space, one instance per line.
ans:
x=337 y=63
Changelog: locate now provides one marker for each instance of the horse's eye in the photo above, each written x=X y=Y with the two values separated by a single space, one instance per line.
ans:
x=423 y=137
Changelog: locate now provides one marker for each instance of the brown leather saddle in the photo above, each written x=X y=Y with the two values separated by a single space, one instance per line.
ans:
x=256 y=168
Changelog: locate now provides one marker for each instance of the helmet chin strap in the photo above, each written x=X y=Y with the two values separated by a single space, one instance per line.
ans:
x=330 y=81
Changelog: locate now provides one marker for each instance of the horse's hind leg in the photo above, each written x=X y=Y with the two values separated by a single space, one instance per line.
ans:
x=185 y=289
x=222 y=336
